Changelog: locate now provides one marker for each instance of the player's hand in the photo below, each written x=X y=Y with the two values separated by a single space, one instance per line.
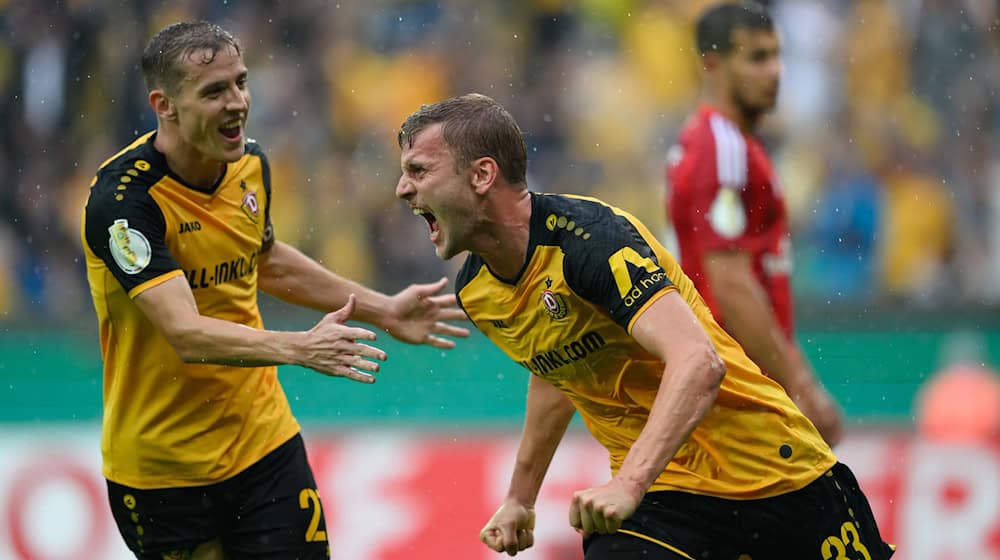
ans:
x=418 y=313
x=333 y=348
x=602 y=509
x=511 y=529
x=819 y=407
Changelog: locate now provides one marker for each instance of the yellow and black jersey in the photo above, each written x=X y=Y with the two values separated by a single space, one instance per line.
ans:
x=167 y=423
x=591 y=270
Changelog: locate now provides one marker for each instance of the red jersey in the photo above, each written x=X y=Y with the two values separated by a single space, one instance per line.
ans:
x=722 y=195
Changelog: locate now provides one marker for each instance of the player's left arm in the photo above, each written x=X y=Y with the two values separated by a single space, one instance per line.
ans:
x=619 y=269
x=415 y=315
x=547 y=415
x=691 y=377
x=692 y=374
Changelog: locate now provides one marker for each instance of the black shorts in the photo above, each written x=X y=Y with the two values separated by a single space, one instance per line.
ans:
x=829 y=519
x=270 y=510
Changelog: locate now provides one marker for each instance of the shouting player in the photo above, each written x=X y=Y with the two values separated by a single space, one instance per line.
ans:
x=727 y=207
x=710 y=458
x=201 y=453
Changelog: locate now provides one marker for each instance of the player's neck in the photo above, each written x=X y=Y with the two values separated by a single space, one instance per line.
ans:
x=506 y=234
x=746 y=122
x=187 y=162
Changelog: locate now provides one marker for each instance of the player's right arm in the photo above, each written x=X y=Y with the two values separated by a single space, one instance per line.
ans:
x=330 y=347
x=511 y=529
x=126 y=230
x=750 y=319
x=715 y=175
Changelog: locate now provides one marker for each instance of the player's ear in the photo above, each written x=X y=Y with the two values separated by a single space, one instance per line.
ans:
x=162 y=105
x=710 y=61
x=485 y=172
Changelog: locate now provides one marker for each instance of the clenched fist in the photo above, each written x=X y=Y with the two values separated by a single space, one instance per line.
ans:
x=511 y=529
x=602 y=509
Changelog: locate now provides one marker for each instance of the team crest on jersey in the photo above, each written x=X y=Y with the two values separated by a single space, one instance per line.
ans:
x=250 y=206
x=554 y=303
x=129 y=247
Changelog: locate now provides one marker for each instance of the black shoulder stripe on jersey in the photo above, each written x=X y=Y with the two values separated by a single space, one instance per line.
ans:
x=607 y=261
x=251 y=147
x=134 y=169
x=470 y=269
x=121 y=192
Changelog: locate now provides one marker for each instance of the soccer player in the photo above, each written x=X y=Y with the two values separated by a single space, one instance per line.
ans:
x=727 y=207
x=710 y=458
x=202 y=455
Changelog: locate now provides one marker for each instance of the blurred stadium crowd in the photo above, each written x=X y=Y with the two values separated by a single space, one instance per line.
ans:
x=885 y=138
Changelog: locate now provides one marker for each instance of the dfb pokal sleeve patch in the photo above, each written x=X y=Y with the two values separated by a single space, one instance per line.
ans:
x=129 y=247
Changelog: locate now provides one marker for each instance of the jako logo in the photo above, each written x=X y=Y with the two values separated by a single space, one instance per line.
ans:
x=190 y=226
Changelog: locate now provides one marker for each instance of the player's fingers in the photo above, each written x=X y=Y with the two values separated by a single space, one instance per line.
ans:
x=508 y=536
x=450 y=314
x=369 y=352
x=496 y=542
x=438 y=342
x=525 y=539
x=614 y=522
x=599 y=519
x=490 y=536
x=353 y=374
x=444 y=301
x=574 y=514
x=356 y=333
x=363 y=365
x=587 y=518
x=450 y=330
x=424 y=291
x=604 y=520
x=345 y=312
x=485 y=533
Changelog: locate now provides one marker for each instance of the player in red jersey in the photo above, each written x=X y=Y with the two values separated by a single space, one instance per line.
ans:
x=728 y=209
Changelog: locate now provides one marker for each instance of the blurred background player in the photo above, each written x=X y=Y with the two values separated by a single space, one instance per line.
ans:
x=202 y=455
x=606 y=324
x=727 y=206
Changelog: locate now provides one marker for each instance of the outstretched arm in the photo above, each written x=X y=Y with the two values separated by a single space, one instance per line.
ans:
x=749 y=318
x=330 y=347
x=511 y=529
x=691 y=377
x=415 y=315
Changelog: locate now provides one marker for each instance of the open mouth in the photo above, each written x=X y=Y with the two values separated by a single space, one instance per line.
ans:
x=232 y=130
x=432 y=222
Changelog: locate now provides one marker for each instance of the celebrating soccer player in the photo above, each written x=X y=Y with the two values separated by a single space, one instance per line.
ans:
x=728 y=210
x=710 y=458
x=201 y=453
